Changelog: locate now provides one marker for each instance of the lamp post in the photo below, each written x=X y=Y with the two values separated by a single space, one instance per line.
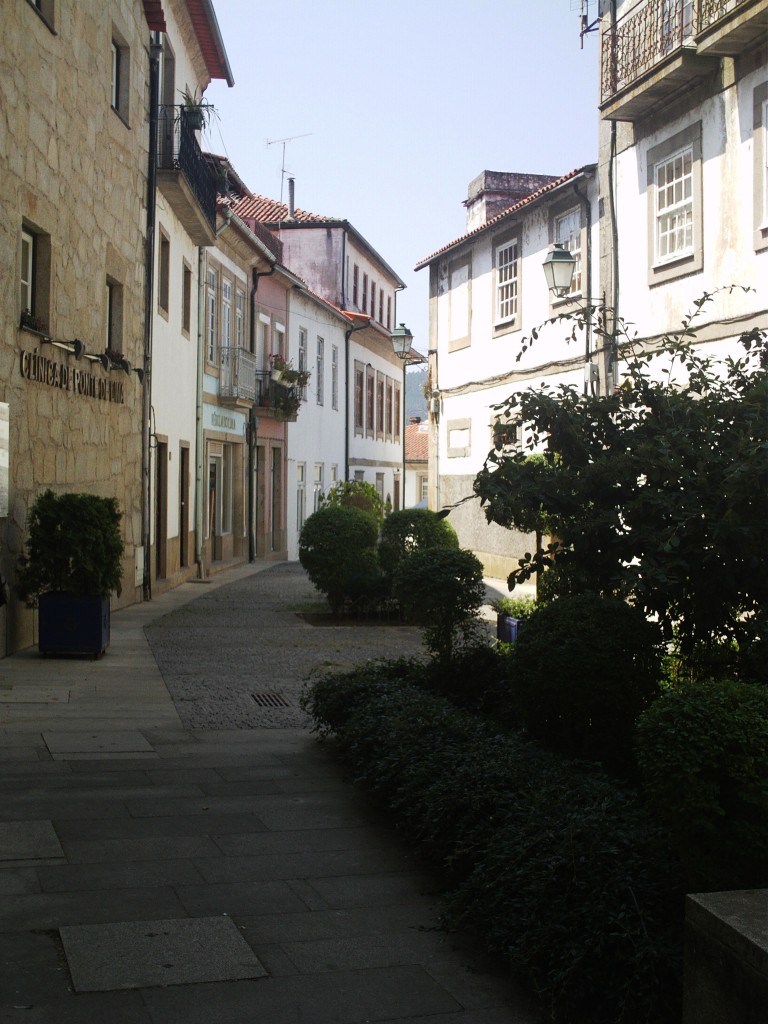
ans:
x=402 y=340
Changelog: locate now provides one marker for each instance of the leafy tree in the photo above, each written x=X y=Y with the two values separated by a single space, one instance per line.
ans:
x=337 y=547
x=413 y=529
x=656 y=492
x=355 y=494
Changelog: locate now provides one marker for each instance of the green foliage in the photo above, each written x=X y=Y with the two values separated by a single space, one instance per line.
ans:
x=355 y=494
x=559 y=870
x=655 y=491
x=442 y=590
x=583 y=669
x=517 y=607
x=412 y=529
x=73 y=546
x=703 y=754
x=337 y=547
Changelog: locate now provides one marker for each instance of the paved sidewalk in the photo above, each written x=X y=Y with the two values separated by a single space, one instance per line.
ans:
x=175 y=846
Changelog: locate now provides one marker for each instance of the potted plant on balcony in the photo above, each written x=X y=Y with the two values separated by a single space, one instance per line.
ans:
x=72 y=563
x=284 y=373
x=197 y=110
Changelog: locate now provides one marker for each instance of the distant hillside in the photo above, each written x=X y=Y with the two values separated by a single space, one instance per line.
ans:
x=415 y=402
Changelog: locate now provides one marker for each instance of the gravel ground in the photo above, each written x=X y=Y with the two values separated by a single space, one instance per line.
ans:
x=240 y=656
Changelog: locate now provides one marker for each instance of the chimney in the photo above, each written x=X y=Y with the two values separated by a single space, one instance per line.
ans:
x=415 y=419
x=291 y=202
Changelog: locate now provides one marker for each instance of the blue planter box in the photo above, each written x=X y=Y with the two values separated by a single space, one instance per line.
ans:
x=73 y=625
x=507 y=628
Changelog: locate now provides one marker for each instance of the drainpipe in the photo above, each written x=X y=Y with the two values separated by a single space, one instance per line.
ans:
x=155 y=50
x=199 y=450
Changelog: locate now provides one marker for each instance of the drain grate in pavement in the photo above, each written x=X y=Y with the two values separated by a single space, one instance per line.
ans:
x=270 y=700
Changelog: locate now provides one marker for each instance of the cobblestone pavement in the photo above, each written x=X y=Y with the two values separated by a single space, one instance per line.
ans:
x=240 y=656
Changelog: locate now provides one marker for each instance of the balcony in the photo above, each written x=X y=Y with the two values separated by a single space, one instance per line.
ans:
x=726 y=28
x=649 y=56
x=184 y=177
x=281 y=401
x=237 y=376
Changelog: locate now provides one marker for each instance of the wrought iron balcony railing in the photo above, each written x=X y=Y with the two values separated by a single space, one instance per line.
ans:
x=178 y=150
x=237 y=378
x=711 y=11
x=285 y=400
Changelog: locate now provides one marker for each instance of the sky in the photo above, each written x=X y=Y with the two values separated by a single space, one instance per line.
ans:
x=392 y=108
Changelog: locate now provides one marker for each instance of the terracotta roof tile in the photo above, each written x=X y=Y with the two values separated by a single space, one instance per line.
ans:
x=270 y=211
x=416 y=442
x=550 y=187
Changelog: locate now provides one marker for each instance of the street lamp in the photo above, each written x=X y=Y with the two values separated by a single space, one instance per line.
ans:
x=402 y=339
x=558 y=269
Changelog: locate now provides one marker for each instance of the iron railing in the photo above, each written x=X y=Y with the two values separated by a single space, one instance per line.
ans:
x=178 y=150
x=284 y=399
x=642 y=40
x=711 y=11
x=237 y=378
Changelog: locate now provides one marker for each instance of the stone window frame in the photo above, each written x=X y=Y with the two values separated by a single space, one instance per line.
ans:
x=113 y=315
x=186 y=298
x=760 y=177
x=500 y=241
x=163 y=273
x=370 y=401
x=381 y=392
x=359 y=399
x=120 y=75
x=455 y=344
x=320 y=370
x=397 y=414
x=39 y=270
x=460 y=424
x=660 y=272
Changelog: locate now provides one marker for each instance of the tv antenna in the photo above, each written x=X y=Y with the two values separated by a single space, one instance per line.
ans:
x=585 y=25
x=274 y=142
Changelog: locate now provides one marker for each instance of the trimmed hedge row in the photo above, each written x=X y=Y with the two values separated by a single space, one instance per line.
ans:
x=558 y=868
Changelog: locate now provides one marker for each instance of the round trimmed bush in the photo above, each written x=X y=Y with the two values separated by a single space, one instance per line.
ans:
x=703 y=755
x=409 y=530
x=337 y=547
x=583 y=669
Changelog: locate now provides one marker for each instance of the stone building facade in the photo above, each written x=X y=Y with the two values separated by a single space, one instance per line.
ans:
x=73 y=174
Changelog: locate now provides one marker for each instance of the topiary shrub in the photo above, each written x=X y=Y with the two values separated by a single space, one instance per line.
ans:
x=355 y=494
x=337 y=547
x=442 y=590
x=409 y=530
x=583 y=669
x=703 y=755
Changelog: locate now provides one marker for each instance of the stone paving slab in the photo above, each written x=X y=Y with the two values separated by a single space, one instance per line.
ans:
x=40 y=910
x=96 y=742
x=28 y=840
x=137 y=954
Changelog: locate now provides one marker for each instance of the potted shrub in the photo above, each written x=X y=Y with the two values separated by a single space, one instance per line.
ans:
x=72 y=563
x=511 y=613
x=198 y=112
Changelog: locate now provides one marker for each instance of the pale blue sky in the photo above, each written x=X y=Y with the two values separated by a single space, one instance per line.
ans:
x=401 y=104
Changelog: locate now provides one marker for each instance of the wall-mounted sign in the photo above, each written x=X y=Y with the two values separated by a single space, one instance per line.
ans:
x=226 y=421
x=46 y=371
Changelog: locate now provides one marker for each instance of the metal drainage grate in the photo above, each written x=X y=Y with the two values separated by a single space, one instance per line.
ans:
x=270 y=700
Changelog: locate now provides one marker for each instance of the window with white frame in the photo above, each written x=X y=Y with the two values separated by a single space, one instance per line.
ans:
x=34 y=279
x=301 y=494
x=302 y=358
x=240 y=318
x=317 y=485
x=507 y=280
x=334 y=474
x=27 y=272
x=120 y=59
x=423 y=488
x=765 y=162
x=568 y=234
x=186 y=298
x=263 y=342
x=226 y=313
x=278 y=340
x=320 y=371
x=760 y=155
x=674 y=206
x=164 y=274
x=212 y=316
x=334 y=376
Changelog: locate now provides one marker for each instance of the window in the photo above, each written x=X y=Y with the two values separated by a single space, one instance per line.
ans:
x=240 y=318
x=212 y=319
x=370 y=410
x=423 y=488
x=507 y=281
x=364 y=303
x=389 y=312
x=45 y=8
x=278 y=340
x=163 y=273
x=373 y=299
x=317 y=485
x=301 y=494
x=34 y=279
x=568 y=234
x=675 y=206
x=459 y=437
x=186 y=298
x=355 y=285
x=380 y=486
x=303 y=357
x=379 y=405
x=760 y=150
x=263 y=342
x=334 y=376
x=120 y=59
x=320 y=371
x=334 y=474
x=390 y=395
x=359 y=397
x=113 y=313
x=381 y=306
x=398 y=417
x=458 y=304
x=226 y=313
